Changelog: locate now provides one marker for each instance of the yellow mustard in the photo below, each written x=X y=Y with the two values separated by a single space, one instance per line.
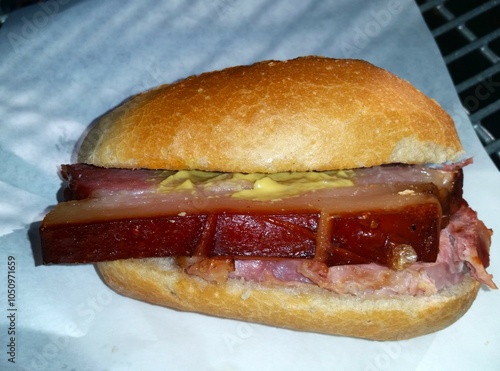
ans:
x=261 y=186
x=280 y=185
x=186 y=179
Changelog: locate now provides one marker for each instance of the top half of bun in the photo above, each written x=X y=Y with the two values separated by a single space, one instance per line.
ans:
x=309 y=113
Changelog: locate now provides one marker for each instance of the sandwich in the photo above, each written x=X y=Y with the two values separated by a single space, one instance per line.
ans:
x=313 y=194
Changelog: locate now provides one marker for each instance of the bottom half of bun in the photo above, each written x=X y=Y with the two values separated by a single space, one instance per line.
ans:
x=303 y=307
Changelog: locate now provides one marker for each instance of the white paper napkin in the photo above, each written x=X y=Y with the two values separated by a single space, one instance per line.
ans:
x=64 y=63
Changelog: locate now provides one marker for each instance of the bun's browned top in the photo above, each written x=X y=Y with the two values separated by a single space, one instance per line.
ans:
x=310 y=113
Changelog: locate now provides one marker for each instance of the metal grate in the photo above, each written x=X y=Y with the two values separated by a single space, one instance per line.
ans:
x=7 y=6
x=468 y=35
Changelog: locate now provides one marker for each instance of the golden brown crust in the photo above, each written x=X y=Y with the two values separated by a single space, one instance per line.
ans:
x=305 y=308
x=310 y=113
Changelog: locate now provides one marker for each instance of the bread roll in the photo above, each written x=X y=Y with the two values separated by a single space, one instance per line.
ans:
x=310 y=113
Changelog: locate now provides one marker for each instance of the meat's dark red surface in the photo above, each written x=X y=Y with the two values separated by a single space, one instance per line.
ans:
x=361 y=238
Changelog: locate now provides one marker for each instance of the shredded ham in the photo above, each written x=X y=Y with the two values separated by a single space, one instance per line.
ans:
x=458 y=255
x=465 y=231
x=212 y=270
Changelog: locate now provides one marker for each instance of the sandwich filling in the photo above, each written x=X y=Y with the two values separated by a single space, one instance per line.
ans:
x=403 y=229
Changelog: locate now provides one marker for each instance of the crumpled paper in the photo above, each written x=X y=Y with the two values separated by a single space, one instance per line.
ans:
x=64 y=63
